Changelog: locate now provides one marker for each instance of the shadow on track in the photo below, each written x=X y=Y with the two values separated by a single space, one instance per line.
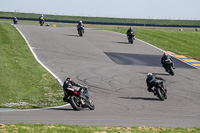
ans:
x=61 y=109
x=73 y=35
x=121 y=42
x=141 y=98
x=142 y=60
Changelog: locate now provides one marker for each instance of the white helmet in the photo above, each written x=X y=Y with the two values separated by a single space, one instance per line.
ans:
x=149 y=74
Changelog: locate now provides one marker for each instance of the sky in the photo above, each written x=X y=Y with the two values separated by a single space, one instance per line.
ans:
x=148 y=9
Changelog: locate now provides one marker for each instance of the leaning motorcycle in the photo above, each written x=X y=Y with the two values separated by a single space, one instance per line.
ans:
x=79 y=99
x=131 y=37
x=160 y=90
x=80 y=31
x=168 y=66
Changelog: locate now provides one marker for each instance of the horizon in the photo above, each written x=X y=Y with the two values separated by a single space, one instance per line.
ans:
x=143 y=9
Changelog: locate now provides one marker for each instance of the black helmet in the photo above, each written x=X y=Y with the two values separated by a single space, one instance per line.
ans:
x=69 y=79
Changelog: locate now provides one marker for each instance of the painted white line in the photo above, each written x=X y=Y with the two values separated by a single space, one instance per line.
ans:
x=9 y=110
x=37 y=57
x=56 y=77
x=169 y=54
x=158 y=49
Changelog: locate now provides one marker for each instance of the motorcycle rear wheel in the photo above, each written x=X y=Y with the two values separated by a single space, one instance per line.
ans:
x=75 y=103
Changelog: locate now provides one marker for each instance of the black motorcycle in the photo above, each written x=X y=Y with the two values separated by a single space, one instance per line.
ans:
x=168 y=66
x=131 y=37
x=41 y=22
x=80 y=31
x=15 y=21
x=79 y=99
x=160 y=90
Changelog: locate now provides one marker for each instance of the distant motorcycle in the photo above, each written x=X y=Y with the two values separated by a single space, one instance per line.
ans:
x=15 y=21
x=131 y=37
x=160 y=90
x=168 y=66
x=41 y=22
x=81 y=31
x=79 y=99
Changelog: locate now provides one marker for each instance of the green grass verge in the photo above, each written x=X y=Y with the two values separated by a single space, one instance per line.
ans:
x=184 y=42
x=24 y=83
x=58 y=128
x=103 y=19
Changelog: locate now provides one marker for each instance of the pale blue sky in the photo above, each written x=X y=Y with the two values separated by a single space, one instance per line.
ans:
x=156 y=9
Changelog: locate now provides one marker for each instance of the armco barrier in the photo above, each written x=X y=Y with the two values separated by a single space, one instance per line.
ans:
x=105 y=23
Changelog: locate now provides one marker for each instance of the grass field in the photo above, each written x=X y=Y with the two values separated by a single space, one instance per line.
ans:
x=58 y=128
x=184 y=42
x=24 y=83
x=103 y=19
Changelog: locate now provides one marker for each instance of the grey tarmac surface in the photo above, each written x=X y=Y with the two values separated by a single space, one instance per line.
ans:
x=115 y=73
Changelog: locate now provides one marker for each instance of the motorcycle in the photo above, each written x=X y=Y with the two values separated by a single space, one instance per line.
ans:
x=79 y=99
x=160 y=90
x=168 y=66
x=80 y=31
x=15 y=21
x=131 y=37
x=41 y=22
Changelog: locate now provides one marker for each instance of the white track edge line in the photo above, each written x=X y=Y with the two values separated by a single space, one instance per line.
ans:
x=56 y=77
x=158 y=49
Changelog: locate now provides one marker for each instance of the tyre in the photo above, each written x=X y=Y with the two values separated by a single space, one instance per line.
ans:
x=81 y=33
x=131 y=41
x=75 y=103
x=171 y=71
x=91 y=105
x=160 y=94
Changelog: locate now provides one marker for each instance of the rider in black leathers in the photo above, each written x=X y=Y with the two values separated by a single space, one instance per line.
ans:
x=41 y=18
x=68 y=83
x=15 y=21
x=129 y=31
x=79 y=25
x=152 y=81
x=164 y=58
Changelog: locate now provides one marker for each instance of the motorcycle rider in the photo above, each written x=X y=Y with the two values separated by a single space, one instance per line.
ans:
x=79 y=25
x=152 y=81
x=41 y=18
x=68 y=84
x=164 y=58
x=15 y=20
x=129 y=32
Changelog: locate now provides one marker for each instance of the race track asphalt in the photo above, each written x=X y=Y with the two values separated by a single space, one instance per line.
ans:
x=115 y=73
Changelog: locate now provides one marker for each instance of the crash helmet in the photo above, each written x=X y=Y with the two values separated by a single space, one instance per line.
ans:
x=149 y=75
x=165 y=54
x=131 y=28
x=69 y=79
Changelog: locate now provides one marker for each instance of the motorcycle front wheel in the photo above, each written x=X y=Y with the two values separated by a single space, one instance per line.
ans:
x=75 y=103
x=81 y=33
x=91 y=105
x=171 y=71
x=160 y=94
